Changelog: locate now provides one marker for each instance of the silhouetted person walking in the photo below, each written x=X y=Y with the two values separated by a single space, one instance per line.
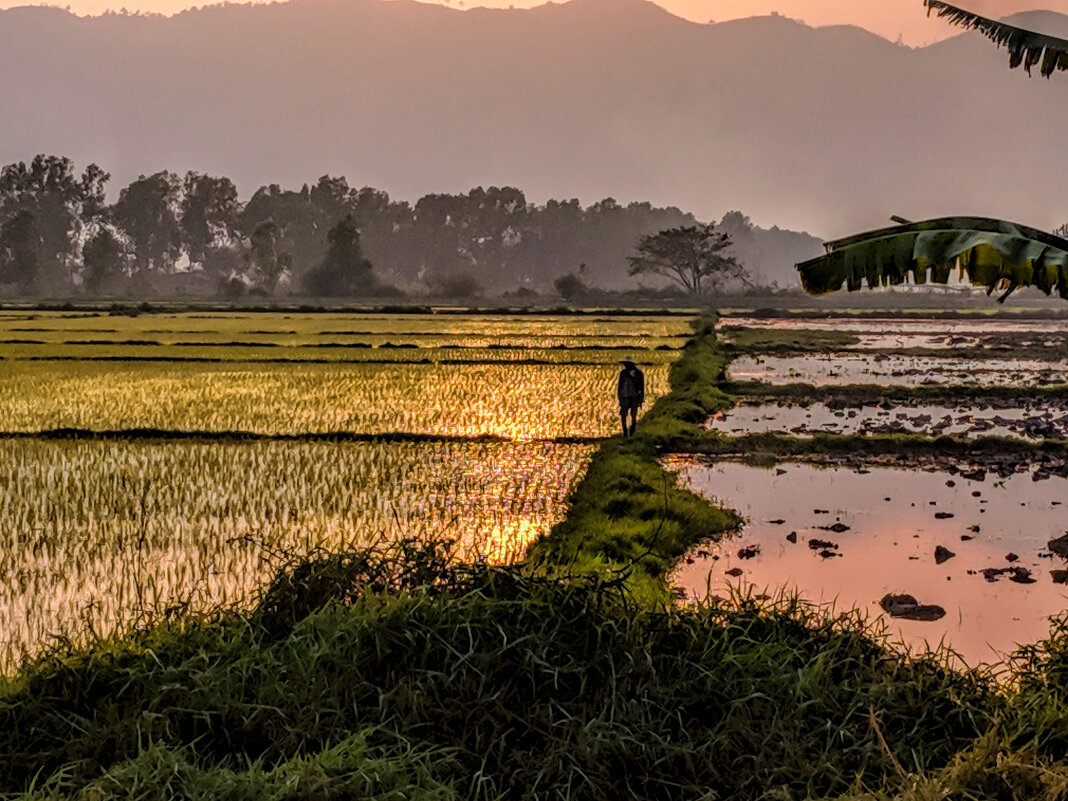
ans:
x=631 y=394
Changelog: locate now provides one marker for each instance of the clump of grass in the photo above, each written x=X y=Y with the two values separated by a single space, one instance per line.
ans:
x=483 y=683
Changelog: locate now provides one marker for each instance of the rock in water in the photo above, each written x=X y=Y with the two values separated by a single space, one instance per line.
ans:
x=1059 y=546
x=943 y=555
x=906 y=607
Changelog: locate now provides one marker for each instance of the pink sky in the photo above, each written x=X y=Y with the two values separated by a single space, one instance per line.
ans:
x=888 y=18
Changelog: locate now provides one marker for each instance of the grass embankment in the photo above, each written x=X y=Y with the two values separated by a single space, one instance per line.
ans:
x=628 y=515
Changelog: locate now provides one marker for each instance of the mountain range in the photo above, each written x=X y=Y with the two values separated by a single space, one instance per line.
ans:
x=828 y=130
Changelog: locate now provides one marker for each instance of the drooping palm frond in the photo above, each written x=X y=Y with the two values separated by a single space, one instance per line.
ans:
x=1024 y=46
x=993 y=253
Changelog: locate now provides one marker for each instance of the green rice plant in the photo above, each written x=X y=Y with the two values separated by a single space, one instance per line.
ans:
x=96 y=536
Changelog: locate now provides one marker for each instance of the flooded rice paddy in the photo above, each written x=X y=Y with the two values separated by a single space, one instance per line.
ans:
x=850 y=536
x=98 y=533
x=969 y=546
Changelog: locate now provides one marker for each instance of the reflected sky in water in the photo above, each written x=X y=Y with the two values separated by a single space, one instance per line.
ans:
x=896 y=518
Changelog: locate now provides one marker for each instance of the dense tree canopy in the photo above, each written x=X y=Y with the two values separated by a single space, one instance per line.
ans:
x=167 y=233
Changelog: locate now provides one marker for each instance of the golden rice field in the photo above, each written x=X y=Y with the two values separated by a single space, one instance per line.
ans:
x=520 y=402
x=96 y=534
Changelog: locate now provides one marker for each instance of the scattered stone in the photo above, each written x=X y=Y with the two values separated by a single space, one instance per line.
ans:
x=779 y=471
x=1059 y=576
x=792 y=536
x=748 y=552
x=943 y=515
x=821 y=511
x=734 y=571
x=1011 y=557
x=942 y=554
x=951 y=483
x=1021 y=575
x=827 y=553
x=837 y=528
x=817 y=544
x=1059 y=546
x=907 y=607
x=974 y=529
x=966 y=537
x=778 y=522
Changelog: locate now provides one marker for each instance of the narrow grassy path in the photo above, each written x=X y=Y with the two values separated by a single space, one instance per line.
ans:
x=629 y=516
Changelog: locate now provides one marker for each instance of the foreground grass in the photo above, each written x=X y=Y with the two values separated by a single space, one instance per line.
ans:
x=367 y=676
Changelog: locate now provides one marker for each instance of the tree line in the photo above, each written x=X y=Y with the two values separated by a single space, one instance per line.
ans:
x=171 y=234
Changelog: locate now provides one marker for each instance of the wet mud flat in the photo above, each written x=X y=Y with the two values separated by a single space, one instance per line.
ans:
x=971 y=541
x=840 y=369
x=1027 y=419
x=969 y=339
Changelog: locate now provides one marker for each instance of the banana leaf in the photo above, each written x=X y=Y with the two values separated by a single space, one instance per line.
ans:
x=992 y=253
x=1025 y=47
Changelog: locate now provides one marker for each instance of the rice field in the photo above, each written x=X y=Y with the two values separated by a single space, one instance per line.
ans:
x=517 y=402
x=95 y=535
x=469 y=427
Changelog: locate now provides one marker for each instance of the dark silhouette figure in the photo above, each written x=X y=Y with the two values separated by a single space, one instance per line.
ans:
x=631 y=393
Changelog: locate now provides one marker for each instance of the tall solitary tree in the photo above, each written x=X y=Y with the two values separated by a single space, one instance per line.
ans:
x=344 y=272
x=265 y=258
x=20 y=244
x=103 y=259
x=147 y=211
x=694 y=257
x=209 y=212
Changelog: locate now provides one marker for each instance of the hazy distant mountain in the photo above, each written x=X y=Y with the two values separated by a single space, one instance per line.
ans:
x=828 y=129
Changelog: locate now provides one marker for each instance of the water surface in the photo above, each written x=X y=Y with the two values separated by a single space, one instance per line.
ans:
x=896 y=518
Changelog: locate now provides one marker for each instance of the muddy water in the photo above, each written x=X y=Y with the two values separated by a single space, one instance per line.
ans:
x=896 y=519
x=846 y=368
x=968 y=420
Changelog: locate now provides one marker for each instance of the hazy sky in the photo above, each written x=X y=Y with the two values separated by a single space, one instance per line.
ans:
x=888 y=18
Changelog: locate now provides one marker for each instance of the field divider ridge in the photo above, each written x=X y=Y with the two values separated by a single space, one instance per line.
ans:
x=629 y=516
